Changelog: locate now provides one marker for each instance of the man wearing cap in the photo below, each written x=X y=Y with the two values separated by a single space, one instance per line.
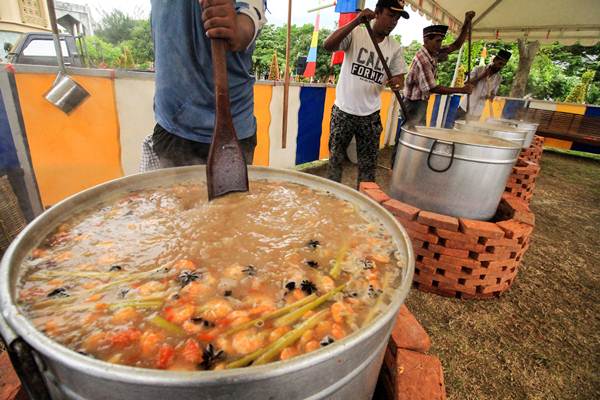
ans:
x=362 y=78
x=421 y=80
x=485 y=82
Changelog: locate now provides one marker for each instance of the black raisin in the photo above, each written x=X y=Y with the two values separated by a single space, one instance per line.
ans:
x=290 y=285
x=115 y=268
x=227 y=293
x=312 y=264
x=59 y=292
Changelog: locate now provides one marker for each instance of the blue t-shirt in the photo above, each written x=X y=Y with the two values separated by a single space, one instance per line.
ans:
x=184 y=101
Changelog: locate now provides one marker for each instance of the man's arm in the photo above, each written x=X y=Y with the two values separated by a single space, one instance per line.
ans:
x=333 y=41
x=239 y=29
x=469 y=15
x=467 y=89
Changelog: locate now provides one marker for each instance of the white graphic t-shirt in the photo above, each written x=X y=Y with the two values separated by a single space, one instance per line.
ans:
x=362 y=75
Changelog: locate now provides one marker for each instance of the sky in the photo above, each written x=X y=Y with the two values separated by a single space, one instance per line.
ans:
x=410 y=29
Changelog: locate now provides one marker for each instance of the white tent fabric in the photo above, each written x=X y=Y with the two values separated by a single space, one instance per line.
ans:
x=564 y=21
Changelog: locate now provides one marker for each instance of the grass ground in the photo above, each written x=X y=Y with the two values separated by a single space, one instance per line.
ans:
x=541 y=339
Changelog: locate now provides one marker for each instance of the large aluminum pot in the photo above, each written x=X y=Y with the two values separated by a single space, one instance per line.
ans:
x=500 y=131
x=529 y=127
x=347 y=369
x=451 y=172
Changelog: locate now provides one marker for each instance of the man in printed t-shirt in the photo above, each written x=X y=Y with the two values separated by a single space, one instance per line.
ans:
x=362 y=78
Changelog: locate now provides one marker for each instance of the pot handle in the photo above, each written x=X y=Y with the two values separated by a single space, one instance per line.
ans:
x=21 y=357
x=435 y=142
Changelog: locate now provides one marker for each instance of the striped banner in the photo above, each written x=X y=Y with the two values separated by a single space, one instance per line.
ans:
x=311 y=60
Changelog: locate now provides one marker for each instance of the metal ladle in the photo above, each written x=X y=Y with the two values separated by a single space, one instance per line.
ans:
x=65 y=93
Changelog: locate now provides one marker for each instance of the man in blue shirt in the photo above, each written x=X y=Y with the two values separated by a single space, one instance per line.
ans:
x=184 y=101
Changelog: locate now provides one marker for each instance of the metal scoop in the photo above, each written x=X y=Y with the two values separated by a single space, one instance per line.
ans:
x=65 y=93
x=226 y=169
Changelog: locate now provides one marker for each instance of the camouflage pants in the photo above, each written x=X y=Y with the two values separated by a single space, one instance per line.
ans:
x=367 y=130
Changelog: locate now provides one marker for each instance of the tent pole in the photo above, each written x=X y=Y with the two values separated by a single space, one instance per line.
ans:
x=469 y=66
x=286 y=84
x=458 y=62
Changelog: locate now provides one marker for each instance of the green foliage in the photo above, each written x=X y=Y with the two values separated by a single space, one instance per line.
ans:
x=102 y=53
x=579 y=93
x=115 y=27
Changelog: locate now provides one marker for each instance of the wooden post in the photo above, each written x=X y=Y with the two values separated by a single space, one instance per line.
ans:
x=286 y=84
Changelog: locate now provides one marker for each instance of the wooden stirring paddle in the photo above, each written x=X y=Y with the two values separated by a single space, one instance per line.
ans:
x=226 y=169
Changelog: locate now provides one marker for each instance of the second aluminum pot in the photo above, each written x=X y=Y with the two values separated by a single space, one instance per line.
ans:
x=462 y=174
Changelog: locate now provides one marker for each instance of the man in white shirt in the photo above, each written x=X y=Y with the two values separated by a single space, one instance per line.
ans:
x=485 y=82
x=362 y=78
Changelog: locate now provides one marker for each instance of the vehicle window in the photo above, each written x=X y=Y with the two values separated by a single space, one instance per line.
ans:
x=44 y=47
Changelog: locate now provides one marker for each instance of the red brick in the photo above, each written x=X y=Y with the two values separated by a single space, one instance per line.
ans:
x=401 y=209
x=449 y=251
x=459 y=262
x=377 y=195
x=515 y=203
x=423 y=252
x=408 y=333
x=367 y=185
x=515 y=229
x=500 y=242
x=437 y=270
x=426 y=237
x=494 y=265
x=500 y=255
x=438 y=220
x=455 y=244
x=460 y=236
x=481 y=228
x=418 y=377
x=10 y=385
x=527 y=217
x=414 y=226
x=504 y=249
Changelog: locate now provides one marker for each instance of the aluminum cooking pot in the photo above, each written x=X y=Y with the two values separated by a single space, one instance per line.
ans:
x=530 y=127
x=462 y=174
x=500 y=131
x=347 y=369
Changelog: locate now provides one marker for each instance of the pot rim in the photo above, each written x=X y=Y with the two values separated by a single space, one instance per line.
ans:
x=19 y=325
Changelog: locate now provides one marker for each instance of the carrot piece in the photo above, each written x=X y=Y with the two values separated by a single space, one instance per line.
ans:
x=125 y=338
x=205 y=337
x=165 y=356
x=191 y=351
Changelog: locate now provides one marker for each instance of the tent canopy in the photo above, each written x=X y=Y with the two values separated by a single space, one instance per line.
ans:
x=564 y=21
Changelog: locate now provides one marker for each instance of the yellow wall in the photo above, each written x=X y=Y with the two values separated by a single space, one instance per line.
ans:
x=571 y=108
x=557 y=143
x=326 y=126
x=262 y=103
x=72 y=152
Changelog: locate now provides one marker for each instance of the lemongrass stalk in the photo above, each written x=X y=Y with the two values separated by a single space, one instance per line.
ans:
x=166 y=325
x=337 y=266
x=287 y=340
x=271 y=315
x=292 y=317
x=290 y=338
x=376 y=308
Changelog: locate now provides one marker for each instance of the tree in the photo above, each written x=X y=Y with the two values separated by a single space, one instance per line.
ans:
x=115 y=27
x=527 y=52
x=579 y=92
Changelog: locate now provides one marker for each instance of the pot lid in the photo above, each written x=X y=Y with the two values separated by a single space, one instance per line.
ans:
x=464 y=137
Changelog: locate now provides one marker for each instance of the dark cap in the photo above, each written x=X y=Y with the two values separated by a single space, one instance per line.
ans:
x=435 y=30
x=394 y=5
x=503 y=54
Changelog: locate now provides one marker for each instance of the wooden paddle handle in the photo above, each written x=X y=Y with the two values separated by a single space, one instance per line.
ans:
x=385 y=67
x=219 y=60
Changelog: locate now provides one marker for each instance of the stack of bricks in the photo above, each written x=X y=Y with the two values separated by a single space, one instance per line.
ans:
x=534 y=152
x=460 y=257
x=521 y=182
x=408 y=373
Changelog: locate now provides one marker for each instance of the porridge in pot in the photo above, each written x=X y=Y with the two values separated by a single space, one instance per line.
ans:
x=165 y=279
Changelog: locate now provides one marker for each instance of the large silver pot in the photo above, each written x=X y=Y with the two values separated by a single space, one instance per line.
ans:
x=451 y=172
x=529 y=127
x=501 y=131
x=348 y=369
